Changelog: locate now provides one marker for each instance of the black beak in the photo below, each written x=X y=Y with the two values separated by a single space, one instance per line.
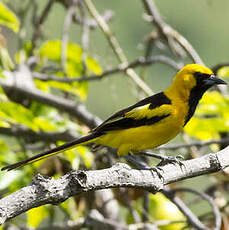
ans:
x=214 y=80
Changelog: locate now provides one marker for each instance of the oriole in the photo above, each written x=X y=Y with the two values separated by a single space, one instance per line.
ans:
x=150 y=122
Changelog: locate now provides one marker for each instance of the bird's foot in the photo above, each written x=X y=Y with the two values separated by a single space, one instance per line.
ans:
x=139 y=164
x=166 y=159
x=171 y=160
x=158 y=171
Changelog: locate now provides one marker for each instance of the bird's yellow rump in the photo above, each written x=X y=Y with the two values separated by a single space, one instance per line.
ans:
x=150 y=122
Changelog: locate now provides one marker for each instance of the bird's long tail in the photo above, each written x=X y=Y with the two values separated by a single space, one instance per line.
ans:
x=83 y=140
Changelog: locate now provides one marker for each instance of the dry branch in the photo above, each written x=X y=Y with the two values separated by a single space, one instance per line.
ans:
x=49 y=191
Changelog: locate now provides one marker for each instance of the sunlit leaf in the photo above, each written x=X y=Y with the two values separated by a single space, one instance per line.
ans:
x=22 y=116
x=4 y=148
x=93 y=65
x=5 y=59
x=44 y=124
x=223 y=71
x=51 y=50
x=204 y=129
x=74 y=69
x=22 y=55
x=69 y=206
x=4 y=124
x=80 y=152
x=86 y=155
x=163 y=209
x=211 y=117
x=12 y=177
x=36 y=215
x=73 y=158
x=42 y=85
x=8 y=18
x=82 y=89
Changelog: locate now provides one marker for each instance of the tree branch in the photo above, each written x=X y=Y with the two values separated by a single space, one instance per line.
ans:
x=170 y=34
x=141 y=61
x=66 y=26
x=38 y=22
x=77 y=110
x=49 y=191
x=31 y=136
x=116 y=47
x=196 y=144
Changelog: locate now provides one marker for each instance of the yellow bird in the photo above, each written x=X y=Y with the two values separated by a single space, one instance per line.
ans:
x=150 y=122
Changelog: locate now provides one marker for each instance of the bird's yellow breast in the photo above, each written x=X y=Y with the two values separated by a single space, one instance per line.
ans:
x=147 y=136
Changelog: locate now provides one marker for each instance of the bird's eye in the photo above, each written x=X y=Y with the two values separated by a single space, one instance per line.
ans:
x=201 y=75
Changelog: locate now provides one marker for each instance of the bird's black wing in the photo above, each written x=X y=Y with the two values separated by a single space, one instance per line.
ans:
x=119 y=120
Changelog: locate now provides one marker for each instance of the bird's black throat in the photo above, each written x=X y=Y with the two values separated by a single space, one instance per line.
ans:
x=194 y=98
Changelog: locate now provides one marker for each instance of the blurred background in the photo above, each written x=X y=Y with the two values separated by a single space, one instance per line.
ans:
x=36 y=42
x=203 y=24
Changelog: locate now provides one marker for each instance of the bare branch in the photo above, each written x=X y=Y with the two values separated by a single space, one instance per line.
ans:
x=67 y=22
x=92 y=24
x=170 y=34
x=196 y=144
x=117 y=48
x=49 y=191
x=203 y=196
x=31 y=136
x=38 y=22
x=141 y=61
x=77 y=110
x=192 y=219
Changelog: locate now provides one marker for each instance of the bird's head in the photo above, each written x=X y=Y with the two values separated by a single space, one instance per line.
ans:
x=195 y=78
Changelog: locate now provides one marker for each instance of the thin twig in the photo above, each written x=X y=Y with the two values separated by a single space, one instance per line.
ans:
x=38 y=22
x=191 y=217
x=85 y=35
x=31 y=136
x=141 y=61
x=67 y=23
x=133 y=212
x=197 y=144
x=92 y=24
x=171 y=35
x=117 y=48
x=206 y=197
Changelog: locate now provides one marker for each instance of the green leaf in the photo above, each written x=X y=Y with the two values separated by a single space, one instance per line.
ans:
x=86 y=155
x=12 y=177
x=22 y=55
x=73 y=158
x=4 y=123
x=8 y=18
x=5 y=59
x=162 y=208
x=223 y=71
x=15 y=113
x=205 y=129
x=36 y=215
x=93 y=65
x=51 y=50
x=211 y=117
x=24 y=116
x=69 y=207
x=44 y=124
x=3 y=146
x=79 y=152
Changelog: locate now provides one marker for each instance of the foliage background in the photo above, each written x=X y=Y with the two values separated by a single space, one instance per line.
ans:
x=204 y=24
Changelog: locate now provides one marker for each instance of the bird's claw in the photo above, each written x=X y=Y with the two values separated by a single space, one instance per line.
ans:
x=172 y=160
x=157 y=170
x=143 y=166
